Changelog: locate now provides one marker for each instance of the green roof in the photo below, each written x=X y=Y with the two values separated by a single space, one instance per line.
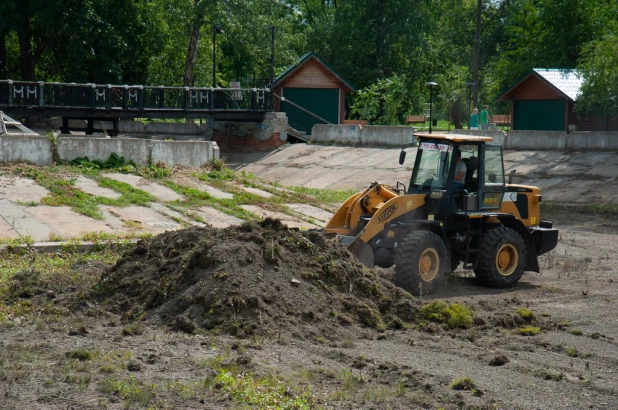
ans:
x=306 y=57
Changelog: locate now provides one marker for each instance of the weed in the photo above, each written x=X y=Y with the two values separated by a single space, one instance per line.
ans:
x=527 y=315
x=576 y=332
x=79 y=354
x=462 y=383
x=266 y=392
x=549 y=375
x=131 y=390
x=455 y=315
x=572 y=352
x=529 y=331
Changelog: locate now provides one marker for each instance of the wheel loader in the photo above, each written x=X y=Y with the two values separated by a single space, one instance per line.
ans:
x=430 y=227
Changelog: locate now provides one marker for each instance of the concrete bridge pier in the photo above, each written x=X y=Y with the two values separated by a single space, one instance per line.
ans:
x=247 y=136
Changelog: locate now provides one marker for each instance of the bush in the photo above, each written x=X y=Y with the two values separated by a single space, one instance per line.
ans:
x=455 y=316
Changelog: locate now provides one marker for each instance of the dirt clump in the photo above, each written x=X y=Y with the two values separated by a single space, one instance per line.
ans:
x=252 y=279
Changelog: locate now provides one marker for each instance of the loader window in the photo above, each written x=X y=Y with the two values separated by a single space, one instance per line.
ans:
x=431 y=167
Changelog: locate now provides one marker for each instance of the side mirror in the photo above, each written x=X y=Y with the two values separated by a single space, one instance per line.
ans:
x=402 y=157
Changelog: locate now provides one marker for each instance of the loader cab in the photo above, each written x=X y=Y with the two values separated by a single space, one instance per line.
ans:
x=434 y=174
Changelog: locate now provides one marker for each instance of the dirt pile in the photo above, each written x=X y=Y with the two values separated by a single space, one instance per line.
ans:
x=255 y=278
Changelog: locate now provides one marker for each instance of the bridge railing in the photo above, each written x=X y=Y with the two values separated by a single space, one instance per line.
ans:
x=135 y=97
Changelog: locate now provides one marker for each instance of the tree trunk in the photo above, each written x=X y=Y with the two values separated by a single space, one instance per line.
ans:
x=192 y=54
x=455 y=114
x=26 y=56
x=3 y=73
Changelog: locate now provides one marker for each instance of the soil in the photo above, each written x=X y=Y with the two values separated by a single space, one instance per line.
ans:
x=265 y=300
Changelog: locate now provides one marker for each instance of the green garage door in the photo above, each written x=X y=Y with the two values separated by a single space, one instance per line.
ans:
x=323 y=102
x=541 y=115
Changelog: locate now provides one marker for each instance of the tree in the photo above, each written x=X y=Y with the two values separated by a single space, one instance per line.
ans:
x=599 y=91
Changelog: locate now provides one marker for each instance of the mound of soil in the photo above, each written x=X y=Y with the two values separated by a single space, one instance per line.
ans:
x=255 y=278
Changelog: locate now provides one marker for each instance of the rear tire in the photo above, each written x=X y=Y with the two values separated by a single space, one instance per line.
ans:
x=502 y=259
x=420 y=263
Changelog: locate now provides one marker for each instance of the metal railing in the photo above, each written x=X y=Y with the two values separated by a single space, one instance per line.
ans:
x=134 y=97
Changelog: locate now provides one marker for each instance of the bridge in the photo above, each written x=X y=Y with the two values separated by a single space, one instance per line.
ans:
x=105 y=102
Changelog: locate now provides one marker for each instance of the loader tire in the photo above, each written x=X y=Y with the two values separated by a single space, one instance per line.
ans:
x=420 y=263
x=502 y=259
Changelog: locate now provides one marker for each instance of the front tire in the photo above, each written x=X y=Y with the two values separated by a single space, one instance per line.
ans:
x=420 y=263
x=502 y=259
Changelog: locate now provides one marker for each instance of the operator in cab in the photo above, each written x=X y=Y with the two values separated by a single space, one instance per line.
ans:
x=460 y=173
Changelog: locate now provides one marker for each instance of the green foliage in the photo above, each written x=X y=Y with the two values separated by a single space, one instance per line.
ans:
x=463 y=383
x=527 y=315
x=218 y=171
x=114 y=162
x=529 y=331
x=387 y=101
x=265 y=392
x=455 y=315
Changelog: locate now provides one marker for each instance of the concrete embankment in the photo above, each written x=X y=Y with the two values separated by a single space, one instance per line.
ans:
x=40 y=150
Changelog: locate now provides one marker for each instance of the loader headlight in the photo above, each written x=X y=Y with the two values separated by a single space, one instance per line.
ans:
x=437 y=194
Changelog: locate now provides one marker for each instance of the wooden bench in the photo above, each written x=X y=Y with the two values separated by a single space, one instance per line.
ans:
x=501 y=119
x=416 y=119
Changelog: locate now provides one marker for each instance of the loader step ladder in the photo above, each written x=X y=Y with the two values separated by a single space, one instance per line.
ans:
x=469 y=236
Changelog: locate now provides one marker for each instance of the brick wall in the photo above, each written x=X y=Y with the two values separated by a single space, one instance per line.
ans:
x=247 y=142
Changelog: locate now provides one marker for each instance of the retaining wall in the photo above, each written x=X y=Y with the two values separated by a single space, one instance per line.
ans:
x=142 y=152
x=593 y=140
x=536 y=140
x=348 y=134
x=35 y=150
x=498 y=136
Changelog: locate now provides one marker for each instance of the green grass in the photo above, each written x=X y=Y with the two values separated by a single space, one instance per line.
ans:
x=527 y=315
x=60 y=182
x=463 y=383
x=327 y=196
x=45 y=272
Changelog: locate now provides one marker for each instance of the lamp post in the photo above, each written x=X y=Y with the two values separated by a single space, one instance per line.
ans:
x=431 y=85
x=215 y=30
x=469 y=84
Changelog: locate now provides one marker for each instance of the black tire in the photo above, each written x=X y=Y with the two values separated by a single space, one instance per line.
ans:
x=420 y=263
x=502 y=259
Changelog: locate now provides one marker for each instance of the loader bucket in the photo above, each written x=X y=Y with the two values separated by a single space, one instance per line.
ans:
x=362 y=252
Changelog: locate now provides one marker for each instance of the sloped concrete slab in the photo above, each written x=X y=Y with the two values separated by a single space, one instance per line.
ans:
x=174 y=215
x=607 y=169
x=290 y=152
x=315 y=155
x=566 y=168
x=352 y=156
x=7 y=231
x=91 y=187
x=137 y=218
x=330 y=179
x=287 y=220
x=215 y=192
x=319 y=215
x=257 y=191
x=159 y=191
x=66 y=222
x=573 y=192
x=218 y=219
x=591 y=158
x=17 y=189
x=23 y=222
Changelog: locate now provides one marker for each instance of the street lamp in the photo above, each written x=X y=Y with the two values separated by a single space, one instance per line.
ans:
x=215 y=30
x=470 y=85
x=431 y=85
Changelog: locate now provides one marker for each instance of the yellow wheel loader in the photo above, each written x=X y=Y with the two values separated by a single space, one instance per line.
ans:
x=431 y=226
